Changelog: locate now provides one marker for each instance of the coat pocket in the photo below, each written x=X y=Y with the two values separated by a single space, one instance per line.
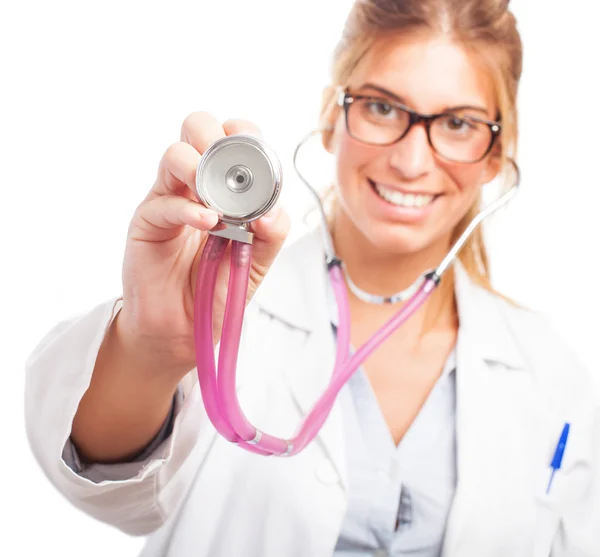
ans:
x=546 y=524
x=569 y=484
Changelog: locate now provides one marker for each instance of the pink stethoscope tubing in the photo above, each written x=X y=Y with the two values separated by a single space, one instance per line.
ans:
x=219 y=390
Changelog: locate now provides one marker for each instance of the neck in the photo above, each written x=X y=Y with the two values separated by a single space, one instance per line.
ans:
x=378 y=272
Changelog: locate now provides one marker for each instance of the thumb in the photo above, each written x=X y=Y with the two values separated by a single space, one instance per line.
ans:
x=270 y=232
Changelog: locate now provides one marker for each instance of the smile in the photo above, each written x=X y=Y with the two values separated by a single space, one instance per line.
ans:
x=400 y=199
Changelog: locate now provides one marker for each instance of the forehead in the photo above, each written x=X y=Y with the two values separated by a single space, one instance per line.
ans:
x=428 y=74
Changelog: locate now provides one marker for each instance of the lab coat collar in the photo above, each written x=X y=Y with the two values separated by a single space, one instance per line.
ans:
x=295 y=291
x=481 y=316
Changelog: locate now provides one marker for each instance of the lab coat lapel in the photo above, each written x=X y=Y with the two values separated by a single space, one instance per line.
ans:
x=308 y=378
x=295 y=291
x=491 y=449
x=476 y=424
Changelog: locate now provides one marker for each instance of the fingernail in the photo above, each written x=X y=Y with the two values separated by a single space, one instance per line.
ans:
x=207 y=211
x=209 y=216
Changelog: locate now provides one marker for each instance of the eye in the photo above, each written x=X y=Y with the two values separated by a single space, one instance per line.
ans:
x=380 y=107
x=454 y=123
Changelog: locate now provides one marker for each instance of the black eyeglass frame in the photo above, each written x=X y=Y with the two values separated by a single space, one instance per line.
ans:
x=346 y=99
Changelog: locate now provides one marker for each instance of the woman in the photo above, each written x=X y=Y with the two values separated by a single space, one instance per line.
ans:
x=441 y=443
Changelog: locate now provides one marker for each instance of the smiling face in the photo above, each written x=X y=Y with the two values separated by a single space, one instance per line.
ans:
x=405 y=197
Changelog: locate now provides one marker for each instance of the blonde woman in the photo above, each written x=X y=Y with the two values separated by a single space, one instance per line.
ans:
x=440 y=444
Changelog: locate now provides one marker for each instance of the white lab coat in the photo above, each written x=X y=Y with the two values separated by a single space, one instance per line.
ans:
x=517 y=384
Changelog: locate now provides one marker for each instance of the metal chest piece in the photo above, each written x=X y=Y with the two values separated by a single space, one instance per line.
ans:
x=239 y=176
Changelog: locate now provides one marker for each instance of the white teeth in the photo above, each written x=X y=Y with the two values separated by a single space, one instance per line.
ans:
x=401 y=199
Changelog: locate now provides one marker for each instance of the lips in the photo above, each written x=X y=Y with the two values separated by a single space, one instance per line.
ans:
x=373 y=183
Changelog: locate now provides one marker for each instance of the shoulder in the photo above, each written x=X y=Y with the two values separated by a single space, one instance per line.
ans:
x=520 y=338
x=554 y=364
x=301 y=254
x=294 y=289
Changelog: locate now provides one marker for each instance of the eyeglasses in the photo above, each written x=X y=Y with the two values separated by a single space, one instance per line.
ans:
x=456 y=135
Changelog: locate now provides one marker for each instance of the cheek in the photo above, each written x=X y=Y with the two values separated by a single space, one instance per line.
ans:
x=351 y=159
x=466 y=179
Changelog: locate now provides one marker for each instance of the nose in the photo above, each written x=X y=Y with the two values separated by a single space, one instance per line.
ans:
x=412 y=156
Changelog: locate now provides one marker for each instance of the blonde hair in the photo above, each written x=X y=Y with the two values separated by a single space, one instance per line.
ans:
x=488 y=30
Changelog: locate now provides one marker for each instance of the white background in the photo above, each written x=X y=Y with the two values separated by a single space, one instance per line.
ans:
x=94 y=92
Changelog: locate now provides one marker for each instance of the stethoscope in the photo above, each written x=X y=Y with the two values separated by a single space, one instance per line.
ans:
x=240 y=177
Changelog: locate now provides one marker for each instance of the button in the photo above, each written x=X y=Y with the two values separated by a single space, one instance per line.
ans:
x=326 y=473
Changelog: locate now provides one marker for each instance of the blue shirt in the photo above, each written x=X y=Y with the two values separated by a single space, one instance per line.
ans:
x=399 y=497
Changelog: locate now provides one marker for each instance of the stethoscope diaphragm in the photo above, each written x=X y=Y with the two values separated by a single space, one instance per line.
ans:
x=240 y=177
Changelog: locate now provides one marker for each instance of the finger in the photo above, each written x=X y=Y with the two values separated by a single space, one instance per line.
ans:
x=163 y=217
x=270 y=232
x=177 y=171
x=200 y=130
x=236 y=125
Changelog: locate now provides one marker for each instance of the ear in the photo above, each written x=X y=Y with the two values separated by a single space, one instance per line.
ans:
x=329 y=114
x=327 y=139
x=493 y=163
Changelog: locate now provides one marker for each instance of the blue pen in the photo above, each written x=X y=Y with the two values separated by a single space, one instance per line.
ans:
x=558 y=454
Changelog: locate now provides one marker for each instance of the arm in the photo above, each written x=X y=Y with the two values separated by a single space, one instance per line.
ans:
x=127 y=401
x=135 y=497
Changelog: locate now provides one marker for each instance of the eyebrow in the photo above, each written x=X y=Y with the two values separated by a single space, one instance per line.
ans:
x=403 y=101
